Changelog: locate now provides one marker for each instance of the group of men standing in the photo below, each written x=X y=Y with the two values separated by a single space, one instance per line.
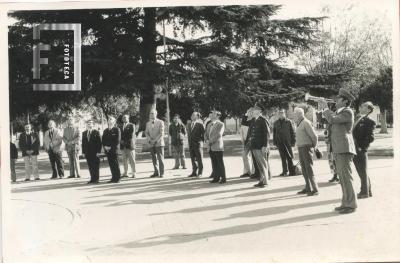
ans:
x=347 y=140
x=90 y=142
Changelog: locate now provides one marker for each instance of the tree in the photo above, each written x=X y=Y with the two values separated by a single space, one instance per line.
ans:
x=360 y=46
x=210 y=47
x=380 y=92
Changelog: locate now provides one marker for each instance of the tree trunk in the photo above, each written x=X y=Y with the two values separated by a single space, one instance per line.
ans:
x=147 y=100
x=383 y=122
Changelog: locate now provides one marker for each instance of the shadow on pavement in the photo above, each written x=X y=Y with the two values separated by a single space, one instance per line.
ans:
x=277 y=210
x=227 y=231
x=230 y=205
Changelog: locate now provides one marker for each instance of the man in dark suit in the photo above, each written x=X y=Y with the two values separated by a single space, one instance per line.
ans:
x=128 y=145
x=13 y=160
x=257 y=142
x=91 y=148
x=215 y=143
x=177 y=131
x=363 y=134
x=29 y=144
x=343 y=147
x=196 y=138
x=111 y=140
x=285 y=138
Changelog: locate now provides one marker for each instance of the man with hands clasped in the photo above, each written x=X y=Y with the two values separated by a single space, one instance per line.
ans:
x=154 y=134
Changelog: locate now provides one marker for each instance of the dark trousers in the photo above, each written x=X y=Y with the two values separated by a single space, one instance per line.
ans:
x=94 y=165
x=213 y=168
x=196 y=155
x=286 y=154
x=57 y=164
x=361 y=164
x=112 y=158
x=217 y=163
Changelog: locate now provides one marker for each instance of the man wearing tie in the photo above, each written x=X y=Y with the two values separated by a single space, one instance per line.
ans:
x=195 y=139
x=343 y=146
x=52 y=142
x=257 y=142
x=71 y=138
x=285 y=138
x=215 y=143
x=177 y=131
x=154 y=133
x=29 y=145
x=128 y=145
x=111 y=141
x=91 y=148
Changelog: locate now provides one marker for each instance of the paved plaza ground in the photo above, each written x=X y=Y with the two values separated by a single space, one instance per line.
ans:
x=179 y=219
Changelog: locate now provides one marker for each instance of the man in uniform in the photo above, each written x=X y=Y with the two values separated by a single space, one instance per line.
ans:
x=343 y=147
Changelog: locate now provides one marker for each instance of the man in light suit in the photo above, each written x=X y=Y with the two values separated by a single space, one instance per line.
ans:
x=29 y=145
x=248 y=168
x=71 y=138
x=215 y=143
x=91 y=148
x=195 y=131
x=343 y=147
x=128 y=145
x=52 y=142
x=154 y=134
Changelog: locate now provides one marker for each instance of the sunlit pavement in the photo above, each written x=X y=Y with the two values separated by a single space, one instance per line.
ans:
x=176 y=219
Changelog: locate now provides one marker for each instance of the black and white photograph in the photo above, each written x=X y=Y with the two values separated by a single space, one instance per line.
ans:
x=199 y=131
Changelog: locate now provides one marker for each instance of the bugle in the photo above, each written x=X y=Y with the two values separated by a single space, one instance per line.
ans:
x=308 y=97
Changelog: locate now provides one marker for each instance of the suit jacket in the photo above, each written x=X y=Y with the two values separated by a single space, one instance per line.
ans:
x=177 y=133
x=155 y=132
x=363 y=132
x=13 y=151
x=56 y=140
x=284 y=133
x=91 y=146
x=128 y=138
x=34 y=146
x=72 y=138
x=340 y=130
x=195 y=135
x=112 y=138
x=214 y=134
x=258 y=135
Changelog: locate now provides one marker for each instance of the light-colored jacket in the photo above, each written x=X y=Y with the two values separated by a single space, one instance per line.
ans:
x=214 y=134
x=56 y=143
x=341 y=126
x=305 y=134
x=72 y=138
x=155 y=132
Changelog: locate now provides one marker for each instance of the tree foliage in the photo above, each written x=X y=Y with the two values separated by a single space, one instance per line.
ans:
x=380 y=91
x=225 y=57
